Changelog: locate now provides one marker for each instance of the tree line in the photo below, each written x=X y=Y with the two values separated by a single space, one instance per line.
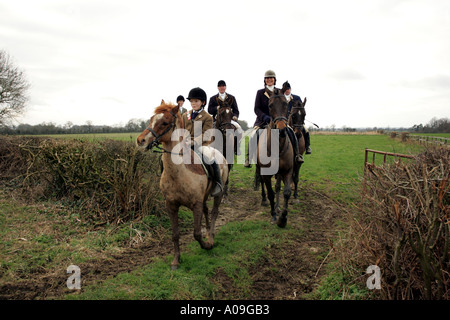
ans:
x=435 y=125
x=133 y=125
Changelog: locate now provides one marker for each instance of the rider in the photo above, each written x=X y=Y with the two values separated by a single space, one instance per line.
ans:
x=263 y=116
x=180 y=102
x=224 y=98
x=197 y=98
x=286 y=90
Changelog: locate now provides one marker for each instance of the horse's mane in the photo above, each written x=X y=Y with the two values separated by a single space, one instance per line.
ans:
x=167 y=107
x=164 y=107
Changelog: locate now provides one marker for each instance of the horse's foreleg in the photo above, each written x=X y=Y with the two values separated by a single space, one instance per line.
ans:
x=277 y=192
x=172 y=210
x=286 y=194
x=271 y=195
x=260 y=181
x=198 y=214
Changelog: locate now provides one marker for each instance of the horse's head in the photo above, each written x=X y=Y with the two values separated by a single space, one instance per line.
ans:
x=278 y=108
x=162 y=124
x=224 y=117
x=297 y=115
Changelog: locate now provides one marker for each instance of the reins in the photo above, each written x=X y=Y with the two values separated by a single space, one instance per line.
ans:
x=155 y=143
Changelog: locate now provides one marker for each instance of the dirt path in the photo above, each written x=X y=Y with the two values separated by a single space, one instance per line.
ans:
x=299 y=262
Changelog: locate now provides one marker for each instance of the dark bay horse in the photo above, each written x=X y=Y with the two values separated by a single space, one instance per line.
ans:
x=183 y=180
x=296 y=122
x=279 y=160
x=228 y=144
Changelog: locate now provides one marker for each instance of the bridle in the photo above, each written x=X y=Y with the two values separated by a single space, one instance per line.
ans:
x=275 y=121
x=296 y=126
x=223 y=124
x=159 y=136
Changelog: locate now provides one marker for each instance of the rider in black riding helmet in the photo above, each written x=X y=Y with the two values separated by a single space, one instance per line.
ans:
x=286 y=90
x=197 y=98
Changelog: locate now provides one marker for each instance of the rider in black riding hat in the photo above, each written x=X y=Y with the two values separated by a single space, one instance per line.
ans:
x=286 y=90
x=197 y=98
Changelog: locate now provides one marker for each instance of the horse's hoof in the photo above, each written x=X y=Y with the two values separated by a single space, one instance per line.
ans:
x=264 y=203
x=174 y=267
x=274 y=219
x=282 y=221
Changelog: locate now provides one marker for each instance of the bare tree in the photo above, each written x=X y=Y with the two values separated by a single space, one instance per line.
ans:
x=13 y=89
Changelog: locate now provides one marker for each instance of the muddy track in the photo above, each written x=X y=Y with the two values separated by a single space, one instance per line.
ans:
x=299 y=269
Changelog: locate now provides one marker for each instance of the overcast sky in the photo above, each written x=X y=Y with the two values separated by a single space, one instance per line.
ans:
x=360 y=63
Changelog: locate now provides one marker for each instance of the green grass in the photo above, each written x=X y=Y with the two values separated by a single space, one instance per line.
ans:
x=442 y=135
x=238 y=246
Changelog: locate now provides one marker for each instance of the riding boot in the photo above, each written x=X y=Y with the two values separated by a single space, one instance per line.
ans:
x=297 y=156
x=307 y=143
x=217 y=178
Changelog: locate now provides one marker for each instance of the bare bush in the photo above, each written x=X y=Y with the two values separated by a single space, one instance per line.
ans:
x=404 y=228
x=109 y=181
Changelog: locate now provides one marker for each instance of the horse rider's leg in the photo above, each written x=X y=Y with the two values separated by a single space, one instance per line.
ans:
x=198 y=214
x=307 y=140
x=297 y=156
x=238 y=137
x=209 y=159
x=172 y=210
x=218 y=183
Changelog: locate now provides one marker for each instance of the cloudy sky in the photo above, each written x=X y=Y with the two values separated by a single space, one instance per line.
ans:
x=360 y=63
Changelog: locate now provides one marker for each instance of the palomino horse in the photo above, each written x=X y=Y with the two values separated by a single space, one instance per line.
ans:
x=182 y=182
x=296 y=121
x=278 y=109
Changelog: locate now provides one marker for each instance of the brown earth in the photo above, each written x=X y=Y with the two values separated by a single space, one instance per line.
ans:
x=300 y=263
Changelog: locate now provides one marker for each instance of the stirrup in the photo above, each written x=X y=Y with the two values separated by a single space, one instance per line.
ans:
x=299 y=158
x=218 y=188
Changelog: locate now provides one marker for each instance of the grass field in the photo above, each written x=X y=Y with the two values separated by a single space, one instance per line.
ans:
x=38 y=241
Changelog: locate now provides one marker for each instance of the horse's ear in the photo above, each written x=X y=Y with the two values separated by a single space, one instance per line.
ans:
x=304 y=101
x=175 y=109
x=162 y=101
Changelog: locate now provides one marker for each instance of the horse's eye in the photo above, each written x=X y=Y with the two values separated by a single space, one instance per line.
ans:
x=164 y=123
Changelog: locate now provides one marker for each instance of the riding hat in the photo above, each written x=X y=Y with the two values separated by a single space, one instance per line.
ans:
x=270 y=74
x=286 y=86
x=180 y=98
x=221 y=83
x=197 y=93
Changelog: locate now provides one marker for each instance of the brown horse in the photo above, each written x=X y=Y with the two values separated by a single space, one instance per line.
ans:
x=296 y=121
x=280 y=165
x=184 y=180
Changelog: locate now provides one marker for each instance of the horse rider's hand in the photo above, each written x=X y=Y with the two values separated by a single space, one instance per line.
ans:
x=235 y=118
